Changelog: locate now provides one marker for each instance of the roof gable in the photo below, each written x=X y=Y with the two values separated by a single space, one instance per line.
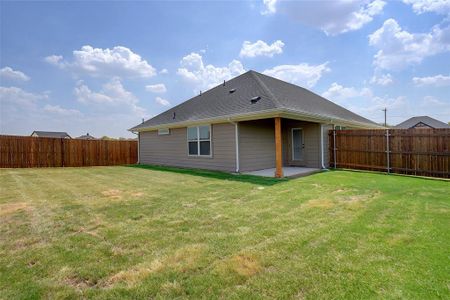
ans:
x=422 y=122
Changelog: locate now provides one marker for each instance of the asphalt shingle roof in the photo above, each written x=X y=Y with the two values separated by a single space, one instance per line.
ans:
x=275 y=95
x=411 y=122
x=51 y=134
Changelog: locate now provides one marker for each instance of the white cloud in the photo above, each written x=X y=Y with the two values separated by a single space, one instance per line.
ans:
x=112 y=97
x=364 y=102
x=433 y=105
x=383 y=79
x=164 y=71
x=430 y=100
x=302 y=74
x=18 y=98
x=332 y=17
x=436 y=6
x=156 y=88
x=438 y=80
x=270 y=7
x=61 y=111
x=162 y=101
x=194 y=71
x=23 y=111
x=398 y=48
x=118 y=61
x=9 y=73
x=261 y=48
x=339 y=93
x=56 y=60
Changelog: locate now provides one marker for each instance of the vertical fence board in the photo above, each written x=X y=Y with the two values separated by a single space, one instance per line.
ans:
x=424 y=152
x=35 y=152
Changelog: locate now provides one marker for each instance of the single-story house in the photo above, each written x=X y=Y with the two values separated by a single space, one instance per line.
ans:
x=421 y=122
x=86 y=136
x=51 y=134
x=251 y=122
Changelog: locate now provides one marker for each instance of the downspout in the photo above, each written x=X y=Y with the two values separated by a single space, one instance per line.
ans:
x=236 y=138
x=321 y=147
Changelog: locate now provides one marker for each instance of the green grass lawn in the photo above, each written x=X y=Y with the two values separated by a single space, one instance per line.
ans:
x=129 y=232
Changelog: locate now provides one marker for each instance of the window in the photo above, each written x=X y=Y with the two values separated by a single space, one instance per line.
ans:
x=163 y=131
x=199 y=140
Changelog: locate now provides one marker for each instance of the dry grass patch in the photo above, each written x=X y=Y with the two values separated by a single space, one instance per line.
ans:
x=112 y=193
x=171 y=287
x=182 y=260
x=243 y=264
x=135 y=274
x=320 y=203
x=137 y=194
x=11 y=208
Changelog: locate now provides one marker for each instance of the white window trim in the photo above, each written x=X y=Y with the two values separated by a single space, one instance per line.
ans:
x=198 y=141
x=292 y=142
x=163 y=131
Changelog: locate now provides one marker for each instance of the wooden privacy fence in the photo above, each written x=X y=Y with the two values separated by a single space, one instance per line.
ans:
x=31 y=152
x=424 y=152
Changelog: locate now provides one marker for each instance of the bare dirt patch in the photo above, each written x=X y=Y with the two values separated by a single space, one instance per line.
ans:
x=137 y=194
x=10 y=208
x=79 y=282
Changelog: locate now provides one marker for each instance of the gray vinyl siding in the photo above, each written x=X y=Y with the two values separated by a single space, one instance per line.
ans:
x=171 y=150
x=256 y=145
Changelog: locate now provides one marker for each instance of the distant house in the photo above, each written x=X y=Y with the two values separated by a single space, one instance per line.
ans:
x=87 y=136
x=252 y=122
x=51 y=134
x=421 y=122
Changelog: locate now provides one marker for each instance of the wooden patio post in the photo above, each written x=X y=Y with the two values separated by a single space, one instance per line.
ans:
x=278 y=149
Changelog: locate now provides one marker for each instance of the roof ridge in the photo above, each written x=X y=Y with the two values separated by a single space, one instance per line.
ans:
x=264 y=86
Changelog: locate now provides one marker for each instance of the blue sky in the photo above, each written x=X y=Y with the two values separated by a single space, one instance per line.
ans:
x=100 y=67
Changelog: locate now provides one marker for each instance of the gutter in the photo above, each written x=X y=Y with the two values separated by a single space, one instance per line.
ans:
x=269 y=113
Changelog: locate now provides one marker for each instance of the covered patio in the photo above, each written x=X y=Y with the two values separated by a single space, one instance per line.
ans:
x=282 y=147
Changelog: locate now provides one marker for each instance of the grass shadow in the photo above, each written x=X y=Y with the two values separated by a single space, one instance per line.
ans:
x=258 y=180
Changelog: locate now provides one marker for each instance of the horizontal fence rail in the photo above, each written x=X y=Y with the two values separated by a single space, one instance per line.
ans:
x=422 y=152
x=37 y=152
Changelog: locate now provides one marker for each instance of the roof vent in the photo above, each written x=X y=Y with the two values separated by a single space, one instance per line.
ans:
x=255 y=99
x=174 y=115
x=232 y=91
x=224 y=83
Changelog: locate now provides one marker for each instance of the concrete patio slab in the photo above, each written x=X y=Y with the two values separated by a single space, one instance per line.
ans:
x=287 y=172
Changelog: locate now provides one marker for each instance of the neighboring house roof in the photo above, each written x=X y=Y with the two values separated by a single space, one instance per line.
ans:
x=232 y=101
x=51 y=134
x=421 y=122
x=87 y=136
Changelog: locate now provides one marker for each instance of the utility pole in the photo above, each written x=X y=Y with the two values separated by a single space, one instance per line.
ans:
x=385 y=110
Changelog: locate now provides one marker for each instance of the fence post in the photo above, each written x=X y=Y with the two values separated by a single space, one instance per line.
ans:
x=62 y=153
x=387 y=152
x=334 y=146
